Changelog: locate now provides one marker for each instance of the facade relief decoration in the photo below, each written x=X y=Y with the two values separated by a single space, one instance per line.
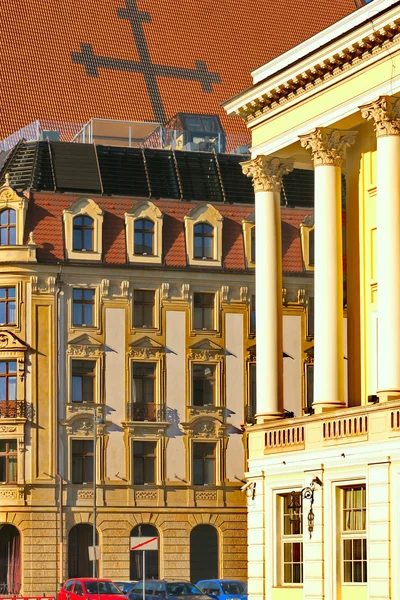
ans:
x=266 y=172
x=206 y=427
x=208 y=495
x=43 y=286
x=84 y=346
x=328 y=145
x=146 y=494
x=146 y=348
x=224 y=293
x=385 y=114
x=164 y=291
x=206 y=350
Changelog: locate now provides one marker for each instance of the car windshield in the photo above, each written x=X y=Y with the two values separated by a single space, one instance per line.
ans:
x=101 y=587
x=183 y=589
x=234 y=587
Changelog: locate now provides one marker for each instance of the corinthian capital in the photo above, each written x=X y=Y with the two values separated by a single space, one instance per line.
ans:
x=328 y=145
x=266 y=172
x=385 y=113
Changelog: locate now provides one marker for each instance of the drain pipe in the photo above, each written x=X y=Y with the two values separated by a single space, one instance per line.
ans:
x=57 y=425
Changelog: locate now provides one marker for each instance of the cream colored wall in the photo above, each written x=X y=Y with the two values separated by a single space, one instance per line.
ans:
x=175 y=338
x=234 y=332
x=115 y=390
x=292 y=369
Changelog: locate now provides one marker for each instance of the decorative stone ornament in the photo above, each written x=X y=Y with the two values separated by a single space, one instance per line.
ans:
x=328 y=145
x=385 y=114
x=266 y=172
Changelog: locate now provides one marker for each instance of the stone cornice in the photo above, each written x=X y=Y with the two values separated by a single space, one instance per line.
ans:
x=328 y=145
x=266 y=172
x=385 y=114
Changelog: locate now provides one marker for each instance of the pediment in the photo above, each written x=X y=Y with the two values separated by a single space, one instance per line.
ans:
x=146 y=342
x=10 y=342
x=85 y=345
x=85 y=340
x=206 y=344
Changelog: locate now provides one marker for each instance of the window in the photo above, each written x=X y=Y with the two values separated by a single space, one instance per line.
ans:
x=83 y=305
x=309 y=385
x=203 y=463
x=8 y=461
x=354 y=541
x=143 y=308
x=7 y=306
x=83 y=377
x=144 y=462
x=8 y=380
x=253 y=244
x=78 y=589
x=310 y=317
x=203 y=384
x=252 y=404
x=82 y=461
x=203 y=317
x=203 y=241
x=291 y=538
x=8 y=230
x=311 y=248
x=253 y=314
x=144 y=376
x=143 y=239
x=83 y=233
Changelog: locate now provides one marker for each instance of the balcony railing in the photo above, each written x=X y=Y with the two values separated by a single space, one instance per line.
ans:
x=12 y=409
x=146 y=412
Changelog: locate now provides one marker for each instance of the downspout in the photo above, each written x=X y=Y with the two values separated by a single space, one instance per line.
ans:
x=57 y=444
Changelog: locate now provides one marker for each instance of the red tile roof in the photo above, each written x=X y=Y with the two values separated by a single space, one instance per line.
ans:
x=44 y=218
x=204 y=52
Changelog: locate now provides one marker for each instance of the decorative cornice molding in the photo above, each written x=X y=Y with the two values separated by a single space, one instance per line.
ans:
x=266 y=172
x=385 y=114
x=328 y=145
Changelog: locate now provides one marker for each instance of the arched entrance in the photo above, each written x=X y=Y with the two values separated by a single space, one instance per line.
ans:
x=79 y=539
x=151 y=559
x=10 y=559
x=203 y=553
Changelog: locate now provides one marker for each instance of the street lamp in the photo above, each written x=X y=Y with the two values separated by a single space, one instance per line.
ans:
x=97 y=420
x=296 y=503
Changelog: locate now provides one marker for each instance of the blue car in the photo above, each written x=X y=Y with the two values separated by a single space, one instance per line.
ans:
x=224 y=589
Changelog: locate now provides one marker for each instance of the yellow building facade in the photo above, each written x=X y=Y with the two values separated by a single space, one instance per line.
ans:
x=323 y=489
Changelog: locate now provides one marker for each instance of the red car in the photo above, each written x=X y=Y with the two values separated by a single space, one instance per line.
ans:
x=87 y=588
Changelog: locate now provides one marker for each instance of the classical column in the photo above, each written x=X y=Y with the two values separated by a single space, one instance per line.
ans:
x=327 y=147
x=267 y=176
x=385 y=114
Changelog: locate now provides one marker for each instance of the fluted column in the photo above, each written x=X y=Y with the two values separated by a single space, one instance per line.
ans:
x=385 y=114
x=267 y=177
x=327 y=147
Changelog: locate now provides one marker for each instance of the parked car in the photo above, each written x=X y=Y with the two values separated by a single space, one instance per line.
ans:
x=224 y=589
x=171 y=590
x=125 y=586
x=87 y=588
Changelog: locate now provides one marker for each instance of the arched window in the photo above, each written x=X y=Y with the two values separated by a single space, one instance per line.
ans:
x=10 y=560
x=8 y=229
x=144 y=237
x=253 y=245
x=203 y=240
x=79 y=539
x=203 y=564
x=136 y=558
x=83 y=233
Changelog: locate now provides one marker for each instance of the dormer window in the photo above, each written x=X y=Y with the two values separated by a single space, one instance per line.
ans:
x=203 y=241
x=83 y=233
x=144 y=237
x=249 y=238
x=8 y=229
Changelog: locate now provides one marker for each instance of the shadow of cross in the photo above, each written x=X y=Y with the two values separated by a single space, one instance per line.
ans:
x=144 y=65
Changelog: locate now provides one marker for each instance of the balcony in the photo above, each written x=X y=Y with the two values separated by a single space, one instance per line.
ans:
x=13 y=409
x=156 y=413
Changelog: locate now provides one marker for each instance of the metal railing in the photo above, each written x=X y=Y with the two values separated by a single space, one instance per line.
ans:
x=11 y=409
x=146 y=412
x=10 y=589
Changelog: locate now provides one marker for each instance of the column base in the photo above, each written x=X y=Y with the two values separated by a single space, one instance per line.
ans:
x=267 y=417
x=388 y=395
x=323 y=407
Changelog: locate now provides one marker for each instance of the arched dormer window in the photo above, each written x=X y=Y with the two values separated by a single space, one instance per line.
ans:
x=83 y=223
x=203 y=228
x=83 y=233
x=249 y=238
x=8 y=229
x=203 y=238
x=143 y=223
x=144 y=237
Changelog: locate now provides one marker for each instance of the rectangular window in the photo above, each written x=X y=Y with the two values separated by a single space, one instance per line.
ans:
x=291 y=538
x=253 y=314
x=310 y=317
x=83 y=379
x=82 y=461
x=354 y=539
x=253 y=244
x=309 y=385
x=7 y=306
x=8 y=461
x=8 y=380
x=203 y=463
x=203 y=378
x=144 y=462
x=143 y=308
x=144 y=378
x=252 y=404
x=203 y=311
x=311 y=248
x=83 y=307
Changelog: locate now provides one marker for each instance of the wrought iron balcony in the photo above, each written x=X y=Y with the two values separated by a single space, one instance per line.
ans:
x=12 y=409
x=146 y=411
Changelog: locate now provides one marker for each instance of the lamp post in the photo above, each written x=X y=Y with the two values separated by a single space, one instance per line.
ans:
x=296 y=504
x=97 y=420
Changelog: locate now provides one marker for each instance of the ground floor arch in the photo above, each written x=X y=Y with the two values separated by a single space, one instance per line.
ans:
x=151 y=559
x=10 y=559
x=79 y=539
x=203 y=553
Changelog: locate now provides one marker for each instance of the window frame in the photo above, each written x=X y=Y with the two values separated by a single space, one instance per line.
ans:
x=83 y=456
x=6 y=301
x=143 y=232
x=144 y=211
x=83 y=207
x=7 y=454
x=249 y=232
x=198 y=443
x=207 y=214
x=283 y=539
x=203 y=235
x=204 y=307
x=92 y=377
x=82 y=229
x=7 y=375
x=214 y=379
x=252 y=321
x=145 y=456
x=9 y=227
x=135 y=304
x=353 y=534
x=92 y=302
